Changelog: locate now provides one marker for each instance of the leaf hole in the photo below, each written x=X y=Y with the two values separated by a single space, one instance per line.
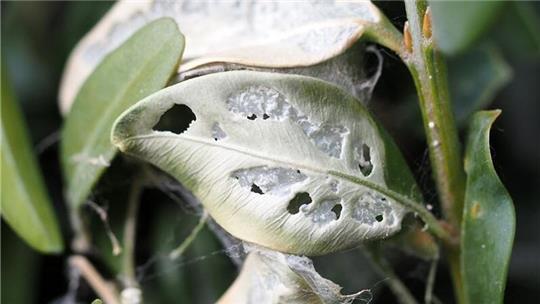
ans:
x=365 y=165
x=176 y=120
x=337 y=210
x=379 y=218
x=256 y=189
x=298 y=200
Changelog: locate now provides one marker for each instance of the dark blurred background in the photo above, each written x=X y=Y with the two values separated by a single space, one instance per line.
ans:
x=36 y=40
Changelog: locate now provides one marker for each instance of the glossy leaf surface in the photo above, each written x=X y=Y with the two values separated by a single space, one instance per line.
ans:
x=25 y=204
x=141 y=66
x=288 y=162
x=273 y=34
x=488 y=227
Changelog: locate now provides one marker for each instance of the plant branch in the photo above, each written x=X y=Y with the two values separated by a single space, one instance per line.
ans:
x=179 y=251
x=104 y=290
x=130 y=229
x=429 y=73
x=401 y=292
x=428 y=70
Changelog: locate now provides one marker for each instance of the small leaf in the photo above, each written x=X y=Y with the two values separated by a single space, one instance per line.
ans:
x=488 y=225
x=25 y=205
x=141 y=66
x=273 y=277
x=457 y=24
x=288 y=162
x=475 y=78
x=272 y=34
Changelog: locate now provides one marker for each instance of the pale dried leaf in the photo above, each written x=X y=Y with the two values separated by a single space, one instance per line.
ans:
x=256 y=33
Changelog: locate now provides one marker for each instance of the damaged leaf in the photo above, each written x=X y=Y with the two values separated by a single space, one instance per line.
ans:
x=141 y=66
x=269 y=277
x=488 y=226
x=298 y=165
x=274 y=34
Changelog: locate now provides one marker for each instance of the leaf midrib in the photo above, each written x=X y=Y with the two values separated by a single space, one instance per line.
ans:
x=350 y=178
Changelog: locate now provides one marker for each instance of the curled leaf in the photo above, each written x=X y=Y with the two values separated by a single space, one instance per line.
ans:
x=488 y=226
x=273 y=277
x=271 y=34
x=288 y=162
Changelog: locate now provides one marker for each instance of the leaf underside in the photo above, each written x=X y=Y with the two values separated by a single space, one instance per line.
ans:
x=273 y=34
x=141 y=66
x=25 y=205
x=287 y=162
x=488 y=225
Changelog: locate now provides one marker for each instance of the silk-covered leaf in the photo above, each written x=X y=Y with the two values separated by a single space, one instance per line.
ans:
x=25 y=204
x=488 y=226
x=288 y=162
x=141 y=66
x=272 y=34
x=458 y=24
x=270 y=277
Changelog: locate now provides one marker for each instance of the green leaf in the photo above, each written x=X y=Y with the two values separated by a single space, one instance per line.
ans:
x=25 y=205
x=141 y=66
x=488 y=225
x=272 y=34
x=475 y=78
x=457 y=24
x=288 y=162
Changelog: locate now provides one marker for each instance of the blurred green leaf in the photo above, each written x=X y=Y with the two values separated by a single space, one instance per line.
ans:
x=488 y=225
x=457 y=24
x=518 y=31
x=139 y=67
x=475 y=78
x=25 y=204
x=20 y=270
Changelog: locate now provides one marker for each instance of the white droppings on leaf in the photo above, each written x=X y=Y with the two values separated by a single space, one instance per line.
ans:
x=275 y=181
x=372 y=208
x=217 y=132
x=334 y=185
x=263 y=102
x=321 y=213
x=327 y=138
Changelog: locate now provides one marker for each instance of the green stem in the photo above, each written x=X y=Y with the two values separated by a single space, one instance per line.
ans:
x=179 y=251
x=130 y=230
x=429 y=73
x=401 y=292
